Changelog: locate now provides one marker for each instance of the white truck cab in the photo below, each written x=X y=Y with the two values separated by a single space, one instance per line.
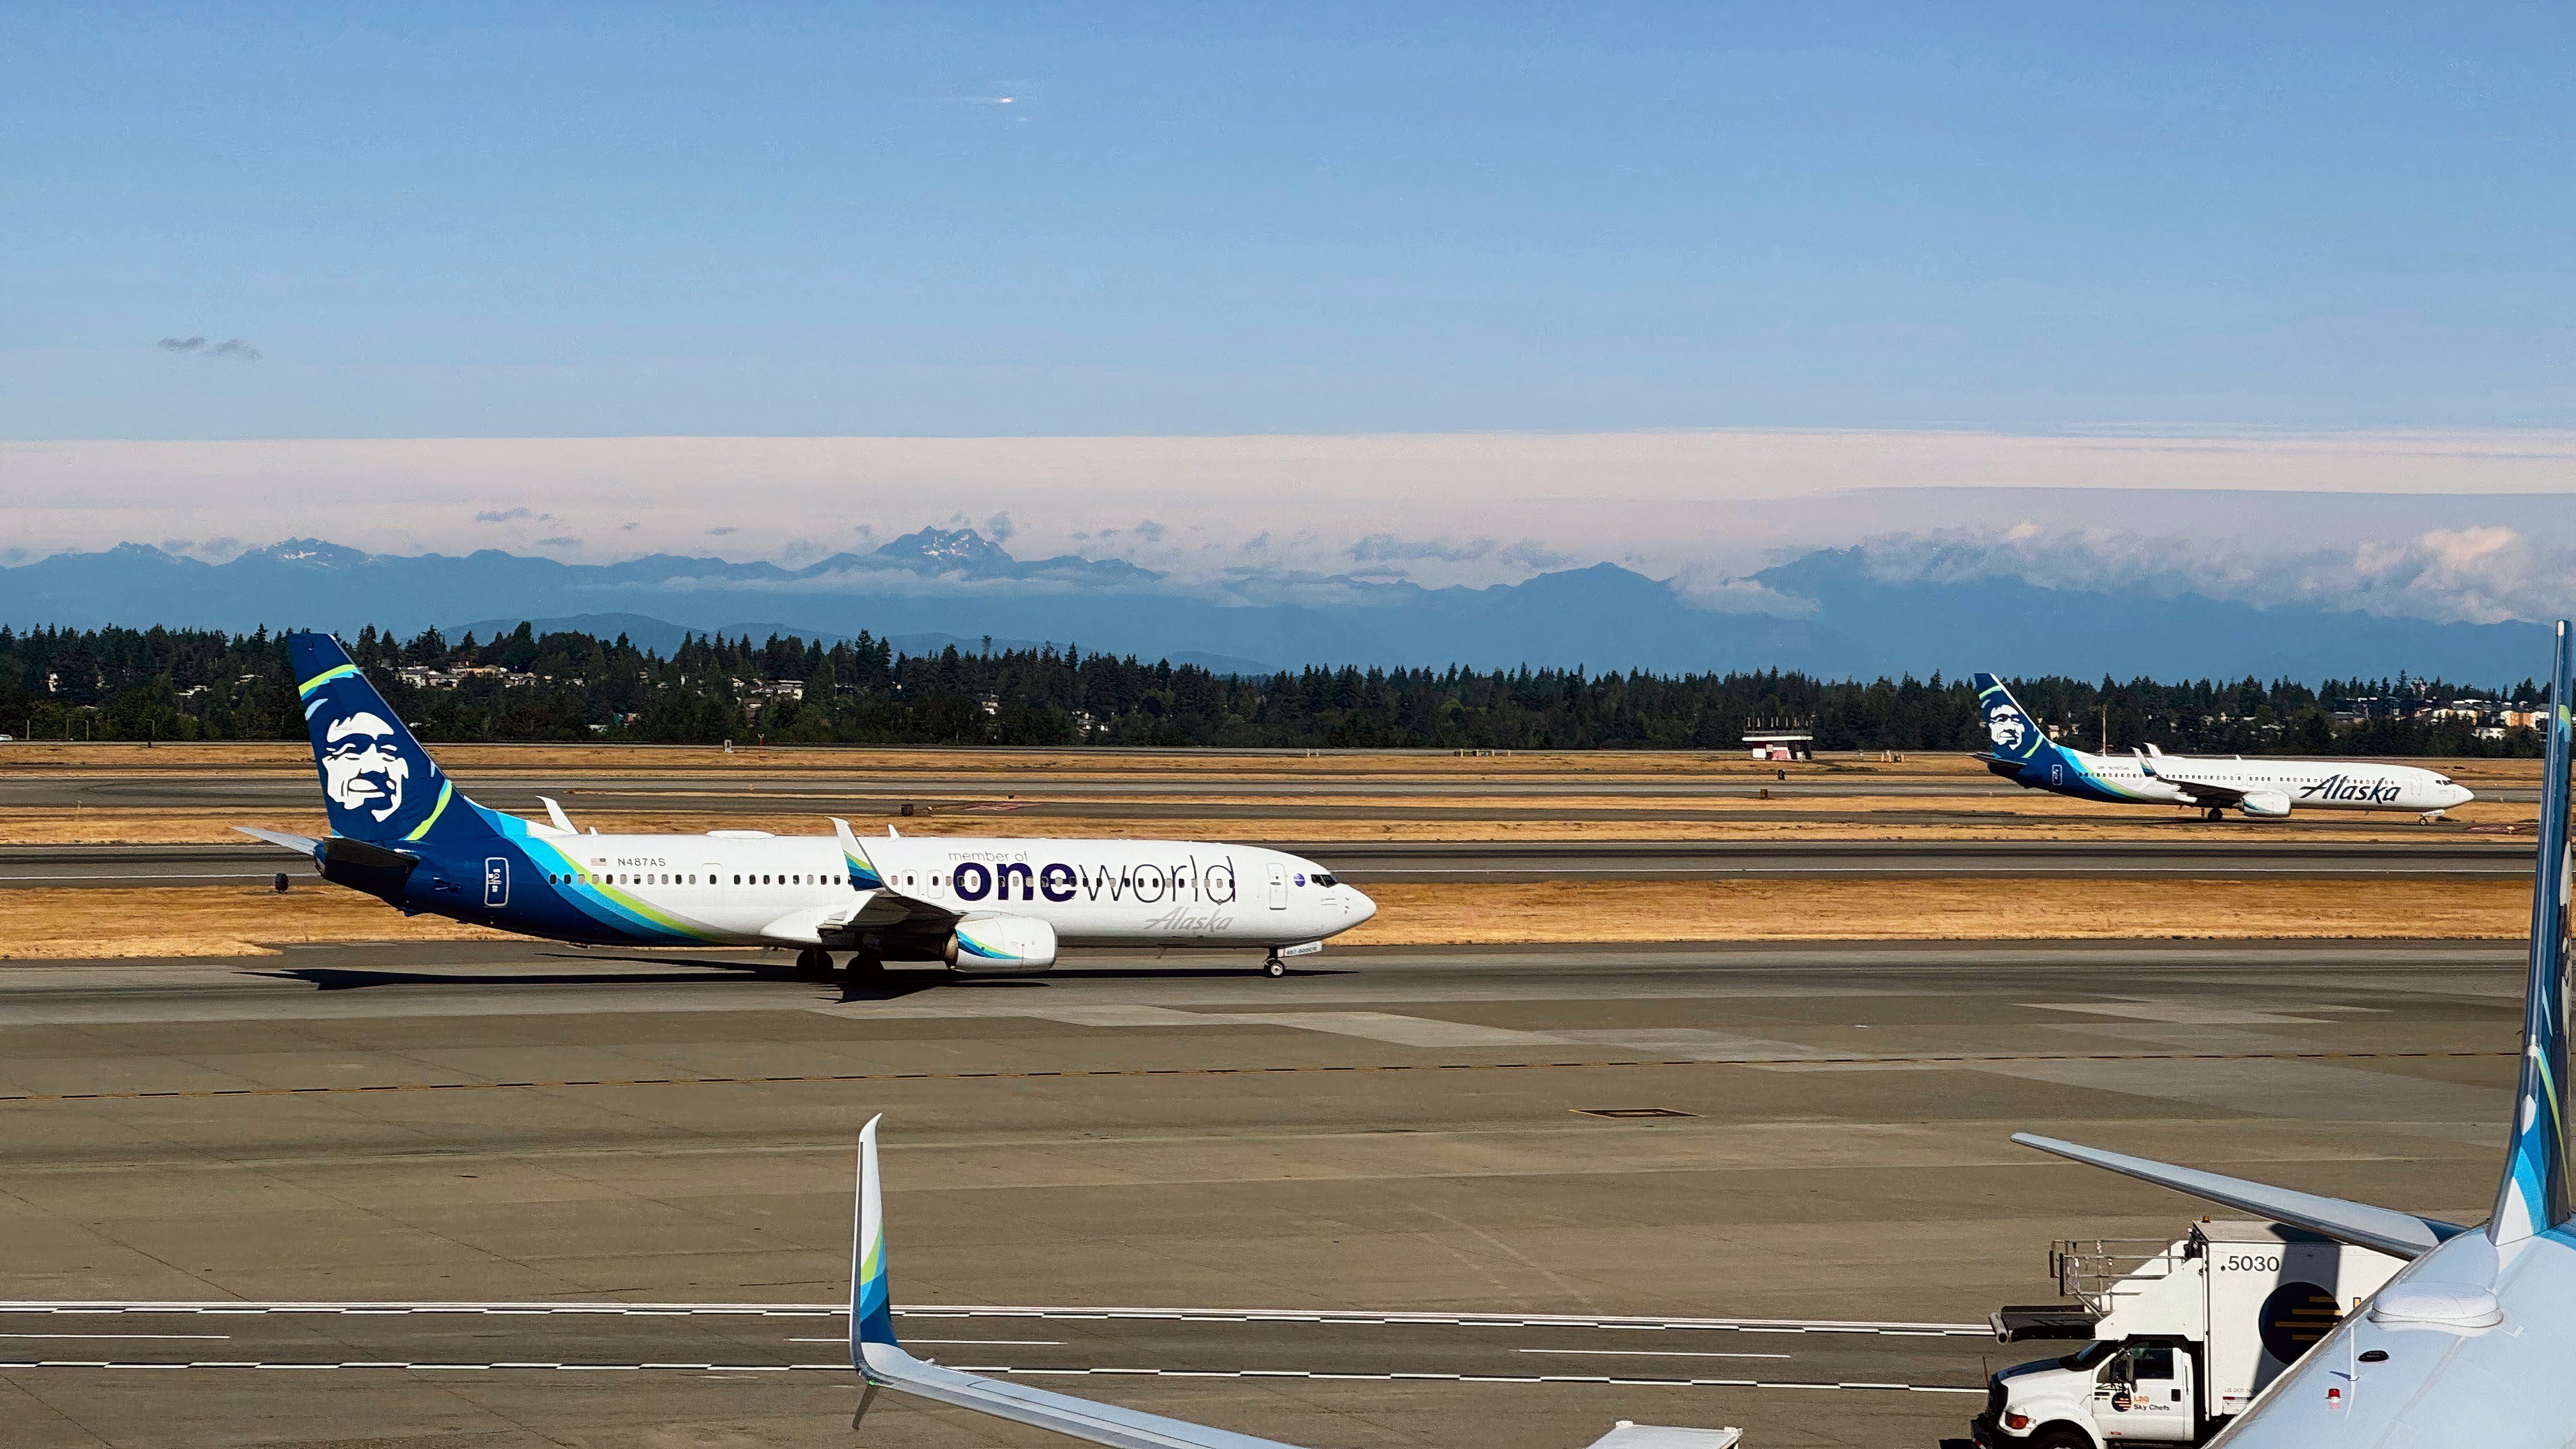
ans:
x=2179 y=1337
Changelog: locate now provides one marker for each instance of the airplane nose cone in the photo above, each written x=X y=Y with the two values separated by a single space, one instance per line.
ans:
x=1361 y=906
x=2462 y=794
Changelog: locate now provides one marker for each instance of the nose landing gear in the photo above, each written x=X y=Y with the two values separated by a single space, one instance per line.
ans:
x=1274 y=968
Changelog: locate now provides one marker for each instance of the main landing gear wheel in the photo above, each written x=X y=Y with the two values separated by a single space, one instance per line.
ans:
x=2215 y=814
x=1274 y=968
x=864 y=971
x=813 y=964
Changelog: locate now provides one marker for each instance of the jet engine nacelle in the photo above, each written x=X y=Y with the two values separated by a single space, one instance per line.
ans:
x=993 y=941
x=2265 y=804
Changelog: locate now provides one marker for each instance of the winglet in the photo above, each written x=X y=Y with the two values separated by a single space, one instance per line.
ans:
x=871 y=1301
x=863 y=871
x=882 y=1364
x=2533 y=1197
x=555 y=813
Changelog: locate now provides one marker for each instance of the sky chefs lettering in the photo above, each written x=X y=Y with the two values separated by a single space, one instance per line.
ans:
x=1002 y=880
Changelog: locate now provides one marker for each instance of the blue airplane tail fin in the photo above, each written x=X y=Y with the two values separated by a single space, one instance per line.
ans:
x=378 y=784
x=2533 y=1198
x=2017 y=737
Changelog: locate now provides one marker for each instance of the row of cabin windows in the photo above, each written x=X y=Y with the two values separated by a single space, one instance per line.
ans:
x=684 y=878
x=1180 y=879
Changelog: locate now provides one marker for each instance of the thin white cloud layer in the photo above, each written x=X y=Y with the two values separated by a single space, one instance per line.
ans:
x=2469 y=525
x=2474 y=575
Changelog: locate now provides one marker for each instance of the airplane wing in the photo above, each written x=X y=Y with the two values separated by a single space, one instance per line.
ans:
x=2385 y=1230
x=882 y=1364
x=2202 y=792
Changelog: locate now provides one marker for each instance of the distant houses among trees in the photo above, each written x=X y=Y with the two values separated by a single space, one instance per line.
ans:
x=182 y=684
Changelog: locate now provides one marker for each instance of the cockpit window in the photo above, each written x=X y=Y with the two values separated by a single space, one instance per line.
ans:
x=1322 y=879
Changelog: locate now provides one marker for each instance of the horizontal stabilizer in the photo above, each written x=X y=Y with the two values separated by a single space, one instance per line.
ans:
x=301 y=844
x=1626 y=1435
x=2384 y=1230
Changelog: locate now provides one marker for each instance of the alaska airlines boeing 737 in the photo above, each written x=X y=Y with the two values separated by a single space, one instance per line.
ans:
x=2465 y=1347
x=403 y=832
x=2269 y=789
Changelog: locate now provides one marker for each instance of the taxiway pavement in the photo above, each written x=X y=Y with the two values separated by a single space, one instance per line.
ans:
x=1589 y=1167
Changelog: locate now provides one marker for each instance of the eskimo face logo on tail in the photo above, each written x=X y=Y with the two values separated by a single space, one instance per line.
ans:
x=2007 y=728
x=362 y=765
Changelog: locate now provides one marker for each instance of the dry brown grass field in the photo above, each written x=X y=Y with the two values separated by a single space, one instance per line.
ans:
x=185 y=921
x=1982 y=821
x=223 y=921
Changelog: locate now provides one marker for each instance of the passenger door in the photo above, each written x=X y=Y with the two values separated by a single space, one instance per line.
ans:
x=2144 y=1394
x=1278 y=886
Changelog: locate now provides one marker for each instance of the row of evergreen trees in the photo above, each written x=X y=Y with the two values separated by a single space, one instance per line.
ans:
x=188 y=684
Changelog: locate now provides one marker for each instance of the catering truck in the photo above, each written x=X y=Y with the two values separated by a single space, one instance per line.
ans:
x=2177 y=1338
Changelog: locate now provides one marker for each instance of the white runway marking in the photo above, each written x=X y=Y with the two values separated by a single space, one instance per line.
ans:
x=218 y=1309
x=1649 y=1353
x=56 y=1337
x=842 y=1368
x=951 y=1342
x=156 y=875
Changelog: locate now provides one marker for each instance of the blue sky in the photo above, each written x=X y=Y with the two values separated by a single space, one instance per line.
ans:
x=523 y=221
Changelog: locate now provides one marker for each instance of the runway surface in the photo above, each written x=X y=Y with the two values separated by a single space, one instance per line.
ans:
x=1374 y=1204
x=1460 y=862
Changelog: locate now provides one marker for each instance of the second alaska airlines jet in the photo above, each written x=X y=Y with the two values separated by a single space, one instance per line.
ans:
x=2025 y=755
x=401 y=831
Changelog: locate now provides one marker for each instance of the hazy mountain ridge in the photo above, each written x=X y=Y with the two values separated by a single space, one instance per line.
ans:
x=936 y=586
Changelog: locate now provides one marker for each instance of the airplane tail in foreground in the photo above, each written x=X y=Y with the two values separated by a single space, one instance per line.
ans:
x=2017 y=737
x=379 y=785
x=883 y=1364
x=2533 y=1197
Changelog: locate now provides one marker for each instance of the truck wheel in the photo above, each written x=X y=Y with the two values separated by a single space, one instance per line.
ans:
x=2060 y=1437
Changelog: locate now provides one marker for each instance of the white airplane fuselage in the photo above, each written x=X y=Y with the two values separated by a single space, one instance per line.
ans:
x=744 y=888
x=2306 y=784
